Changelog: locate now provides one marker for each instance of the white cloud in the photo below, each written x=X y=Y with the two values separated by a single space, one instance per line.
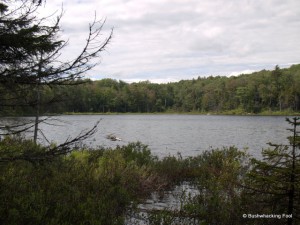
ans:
x=171 y=40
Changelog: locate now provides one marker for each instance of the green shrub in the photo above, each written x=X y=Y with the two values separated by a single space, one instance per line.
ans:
x=219 y=182
x=138 y=153
x=84 y=187
x=99 y=186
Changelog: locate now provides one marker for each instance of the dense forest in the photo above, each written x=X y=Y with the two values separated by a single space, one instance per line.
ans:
x=276 y=90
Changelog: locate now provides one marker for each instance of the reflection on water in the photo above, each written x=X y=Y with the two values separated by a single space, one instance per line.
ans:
x=170 y=200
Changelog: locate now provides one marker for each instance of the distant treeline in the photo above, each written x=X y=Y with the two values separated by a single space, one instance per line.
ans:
x=276 y=90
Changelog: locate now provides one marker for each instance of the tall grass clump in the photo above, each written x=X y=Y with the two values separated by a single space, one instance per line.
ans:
x=216 y=177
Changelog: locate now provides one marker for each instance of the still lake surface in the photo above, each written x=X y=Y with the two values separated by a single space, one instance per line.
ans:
x=169 y=134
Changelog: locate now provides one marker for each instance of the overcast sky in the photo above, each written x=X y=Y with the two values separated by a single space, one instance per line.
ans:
x=170 y=40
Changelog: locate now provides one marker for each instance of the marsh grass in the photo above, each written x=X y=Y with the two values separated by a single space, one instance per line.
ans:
x=105 y=185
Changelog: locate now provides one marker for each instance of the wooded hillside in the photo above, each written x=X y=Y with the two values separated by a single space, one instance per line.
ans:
x=276 y=90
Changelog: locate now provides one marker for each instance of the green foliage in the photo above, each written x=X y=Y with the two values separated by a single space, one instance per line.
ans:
x=15 y=147
x=219 y=181
x=84 y=187
x=30 y=75
x=218 y=177
x=260 y=92
x=253 y=93
x=138 y=153
x=102 y=186
x=274 y=182
x=166 y=217
x=174 y=169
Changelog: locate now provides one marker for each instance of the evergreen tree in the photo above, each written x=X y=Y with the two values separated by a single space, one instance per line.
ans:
x=30 y=63
x=274 y=182
x=22 y=36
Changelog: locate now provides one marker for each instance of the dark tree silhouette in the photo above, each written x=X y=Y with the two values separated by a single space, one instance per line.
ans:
x=274 y=182
x=30 y=61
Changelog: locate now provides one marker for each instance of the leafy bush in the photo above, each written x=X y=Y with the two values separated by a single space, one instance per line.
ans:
x=84 y=187
x=100 y=186
x=219 y=180
x=137 y=152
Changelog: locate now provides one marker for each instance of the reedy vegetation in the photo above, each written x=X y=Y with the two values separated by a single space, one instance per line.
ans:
x=104 y=186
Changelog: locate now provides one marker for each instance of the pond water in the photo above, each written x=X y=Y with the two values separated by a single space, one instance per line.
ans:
x=169 y=134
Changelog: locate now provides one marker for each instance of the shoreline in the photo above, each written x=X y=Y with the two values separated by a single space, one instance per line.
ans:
x=264 y=113
x=226 y=113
